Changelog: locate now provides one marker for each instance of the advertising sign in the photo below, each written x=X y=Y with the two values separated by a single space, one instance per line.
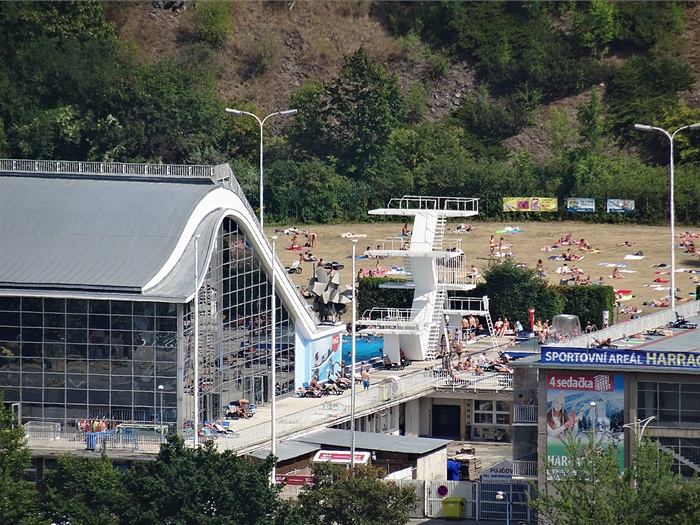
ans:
x=340 y=456
x=317 y=358
x=584 y=405
x=537 y=204
x=294 y=479
x=501 y=472
x=627 y=357
x=620 y=206
x=580 y=205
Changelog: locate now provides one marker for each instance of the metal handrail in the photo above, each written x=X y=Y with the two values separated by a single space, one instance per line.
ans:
x=434 y=203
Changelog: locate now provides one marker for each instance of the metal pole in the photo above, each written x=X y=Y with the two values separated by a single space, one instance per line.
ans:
x=353 y=346
x=262 y=123
x=671 y=200
x=196 y=341
x=273 y=375
x=595 y=418
x=160 y=389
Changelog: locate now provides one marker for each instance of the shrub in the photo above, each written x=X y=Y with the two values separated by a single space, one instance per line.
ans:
x=215 y=22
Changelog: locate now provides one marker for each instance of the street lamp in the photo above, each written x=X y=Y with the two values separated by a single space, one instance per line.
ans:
x=262 y=123
x=500 y=496
x=273 y=360
x=639 y=426
x=353 y=346
x=594 y=406
x=672 y=214
x=160 y=389
x=195 y=342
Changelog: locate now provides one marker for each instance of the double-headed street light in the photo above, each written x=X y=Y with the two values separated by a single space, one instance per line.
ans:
x=672 y=214
x=262 y=123
x=160 y=389
x=353 y=357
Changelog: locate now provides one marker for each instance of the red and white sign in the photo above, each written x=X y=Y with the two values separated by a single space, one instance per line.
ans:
x=596 y=383
x=294 y=480
x=341 y=456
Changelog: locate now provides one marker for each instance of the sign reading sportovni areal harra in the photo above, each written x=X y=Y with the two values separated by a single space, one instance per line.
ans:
x=601 y=356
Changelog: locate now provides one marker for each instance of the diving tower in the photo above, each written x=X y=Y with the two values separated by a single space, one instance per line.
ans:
x=433 y=267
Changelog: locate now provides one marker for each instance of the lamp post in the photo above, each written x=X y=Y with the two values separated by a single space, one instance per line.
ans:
x=594 y=409
x=639 y=425
x=160 y=389
x=672 y=213
x=500 y=496
x=353 y=346
x=262 y=123
x=273 y=360
x=195 y=343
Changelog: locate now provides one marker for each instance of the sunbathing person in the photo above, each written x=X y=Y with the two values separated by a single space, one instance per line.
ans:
x=626 y=243
x=308 y=257
x=616 y=273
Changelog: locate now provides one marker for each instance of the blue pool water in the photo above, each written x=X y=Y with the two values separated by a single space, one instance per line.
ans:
x=364 y=350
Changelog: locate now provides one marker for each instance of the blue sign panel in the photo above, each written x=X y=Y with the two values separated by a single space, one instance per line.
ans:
x=601 y=356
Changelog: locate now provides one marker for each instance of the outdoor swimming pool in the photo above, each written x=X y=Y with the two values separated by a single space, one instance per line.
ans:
x=364 y=349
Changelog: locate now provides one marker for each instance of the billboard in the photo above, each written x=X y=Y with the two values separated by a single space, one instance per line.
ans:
x=620 y=206
x=581 y=405
x=580 y=205
x=536 y=204
x=320 y=357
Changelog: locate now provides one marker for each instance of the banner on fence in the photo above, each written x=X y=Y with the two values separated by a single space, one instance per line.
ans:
x=580 y=205
x=620 y=206
x=537 y=204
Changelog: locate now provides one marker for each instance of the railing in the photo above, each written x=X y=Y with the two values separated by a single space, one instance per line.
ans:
x=78 y=440
x=468 y=304
x=455 y=273
x=392 y=318
x=634 y=326
x=525 y=469
x=334 y=411
x=105 y=168
x=469 y=380
x=393 y=244
x=524 y=414
x=459 y=204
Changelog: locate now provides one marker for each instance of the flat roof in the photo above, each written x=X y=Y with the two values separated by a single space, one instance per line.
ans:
x=378 y=442
x=287 y=450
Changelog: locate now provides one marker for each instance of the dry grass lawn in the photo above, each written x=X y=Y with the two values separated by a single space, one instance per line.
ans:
x=652 y=241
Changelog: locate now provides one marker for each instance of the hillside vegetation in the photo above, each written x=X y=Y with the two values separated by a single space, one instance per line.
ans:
x=479 y=99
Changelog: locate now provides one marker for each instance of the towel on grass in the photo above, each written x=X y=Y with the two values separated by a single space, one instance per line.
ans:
x=633 y=257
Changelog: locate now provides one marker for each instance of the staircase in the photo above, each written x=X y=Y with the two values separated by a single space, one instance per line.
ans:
x=408 y=270
x=489 y=324
x=436 y=324
x=439 y=231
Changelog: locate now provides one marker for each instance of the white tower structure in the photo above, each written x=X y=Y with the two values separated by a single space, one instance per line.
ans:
x=433 y=266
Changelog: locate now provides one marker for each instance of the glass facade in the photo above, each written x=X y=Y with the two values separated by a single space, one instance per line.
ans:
x=66 y=360
x=672 y=404
x=71 y=361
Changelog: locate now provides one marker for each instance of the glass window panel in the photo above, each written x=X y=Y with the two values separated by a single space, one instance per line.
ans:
x=54 y=335
x=483 y=405
x=690 y=416
x=9 y=363
x=9 y=303
x=76 y=381
x=77 y=336
x=55 y=380
x=55 y=350
x=144 y=399
x=31 y=410
x=31 y=395
x=121 y=307
x=55 y=412
x=54 y=305
x=122 y=368
x=166 y=324
x=99 y=411
x=54 y=395
x=166 y=354
x=32 y=335
x=688 y=388
x=122 y=383
x=502 y=406
x=483 y=418
x=11 y=394
x=99 y=382
x=166 y=309
x=74 y=396
x=121 y=398
x=669 y=387
x=32 y=365
x=502 y=419
x=10 y=318
x=76 y=321
x=76 y=306
x=144 y=383
x=76 y=350
x=32 y=304
x=121 y=322
x=74 y=412
x=54 y=320
x=98 y=322
x=668 y=416
x=166 y=369
x=10 y=379
x=98 y=397
x=32 y=319
x=669 y=400
x=99 y=307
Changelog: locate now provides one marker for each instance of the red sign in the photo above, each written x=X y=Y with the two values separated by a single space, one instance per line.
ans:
x=442 y=491
x=335 y=342
x=340 y=456
x=294 y=480
x=594 y=382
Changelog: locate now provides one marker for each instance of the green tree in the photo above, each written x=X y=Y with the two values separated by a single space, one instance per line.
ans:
x=512 y=290
x=590 y=489
x=199 y=487
x=18 y=497
x=360 y=496
x=85 y=491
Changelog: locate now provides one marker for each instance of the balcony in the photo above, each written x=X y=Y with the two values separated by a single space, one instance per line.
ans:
x=524 y=469
x=524 y=414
